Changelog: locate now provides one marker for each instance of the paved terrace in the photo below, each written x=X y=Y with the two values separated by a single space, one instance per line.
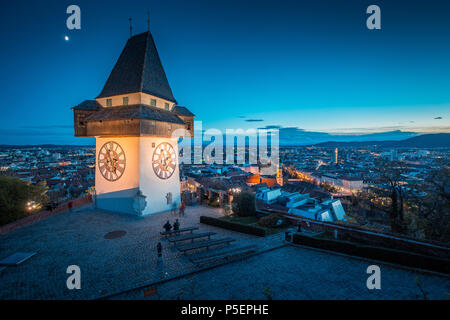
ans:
x=117 y=266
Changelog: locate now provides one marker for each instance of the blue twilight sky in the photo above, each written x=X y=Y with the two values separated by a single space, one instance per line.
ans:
x=304 y=66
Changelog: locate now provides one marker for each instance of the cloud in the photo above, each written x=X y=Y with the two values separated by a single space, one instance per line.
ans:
x=254 y=120
x=438 y=118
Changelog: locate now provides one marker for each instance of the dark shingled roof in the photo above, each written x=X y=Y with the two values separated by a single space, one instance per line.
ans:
x=182 y=111
x=88 y=105
x=138 y=111
x=138 y=69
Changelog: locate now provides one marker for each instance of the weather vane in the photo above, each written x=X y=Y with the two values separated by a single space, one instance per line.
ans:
x=131 y=28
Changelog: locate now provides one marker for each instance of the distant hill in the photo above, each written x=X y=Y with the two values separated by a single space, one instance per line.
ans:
x=437 y=140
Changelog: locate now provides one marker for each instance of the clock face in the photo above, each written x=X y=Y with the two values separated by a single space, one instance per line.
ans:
x=111 y=161
x=164 y=160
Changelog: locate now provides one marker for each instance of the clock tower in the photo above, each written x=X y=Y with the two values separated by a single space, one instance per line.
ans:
x=136 y=122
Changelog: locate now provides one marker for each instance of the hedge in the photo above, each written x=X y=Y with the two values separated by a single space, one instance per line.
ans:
x=256 y=231
x=378 y=253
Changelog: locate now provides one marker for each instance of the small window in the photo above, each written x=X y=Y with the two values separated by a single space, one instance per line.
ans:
x=153 y=102
x=153 y=123
x=167 y=106
x=125 y=101
x=170 y=126
x=109 y=102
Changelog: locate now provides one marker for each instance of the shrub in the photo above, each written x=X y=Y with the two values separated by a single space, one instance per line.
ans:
x=378 y=253
x=214 y=201
x=14 y=194
x=244 y=204
x=256 y=231
x=273 y=220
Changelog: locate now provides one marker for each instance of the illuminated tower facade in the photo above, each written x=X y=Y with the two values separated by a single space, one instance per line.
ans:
x=336 y=156
x=136 y=122
x=280 y=175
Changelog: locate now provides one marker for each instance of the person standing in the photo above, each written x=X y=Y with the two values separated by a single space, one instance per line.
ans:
x=159 y=250
x=182 y=208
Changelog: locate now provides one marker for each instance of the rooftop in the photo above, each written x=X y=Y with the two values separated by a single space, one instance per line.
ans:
x=138 y=69
x=88 y=105
x=138 y=111
x=182 y=111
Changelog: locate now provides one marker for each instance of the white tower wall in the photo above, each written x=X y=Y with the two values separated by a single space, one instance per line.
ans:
x=121 y=195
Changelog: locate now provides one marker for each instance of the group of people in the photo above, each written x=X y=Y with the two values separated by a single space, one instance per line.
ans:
x=181 y=210
x=168 y=226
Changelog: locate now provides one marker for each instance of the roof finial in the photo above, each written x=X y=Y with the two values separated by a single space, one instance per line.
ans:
x=131 y=28
x=148 y=20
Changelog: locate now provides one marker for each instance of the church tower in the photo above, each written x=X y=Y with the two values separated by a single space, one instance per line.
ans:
x=280 y=175
x=136 y=122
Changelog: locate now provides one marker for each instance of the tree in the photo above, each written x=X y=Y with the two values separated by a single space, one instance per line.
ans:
x=244 y=204
x=14 y=196
x=430 y=210
x=390 y=174
x=329 y=187
x=39 y=193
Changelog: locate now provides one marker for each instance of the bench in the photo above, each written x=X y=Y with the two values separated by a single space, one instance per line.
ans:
x=191 y=237
x=208 y=254
x=204 y=244
x=226 y=256
x=172 y=232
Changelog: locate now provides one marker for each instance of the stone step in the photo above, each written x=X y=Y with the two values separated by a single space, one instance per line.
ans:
x=225 y=256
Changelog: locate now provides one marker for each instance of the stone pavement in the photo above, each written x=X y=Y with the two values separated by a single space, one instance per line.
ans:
x=119 y=266
x=107 y=265
x=293 y=272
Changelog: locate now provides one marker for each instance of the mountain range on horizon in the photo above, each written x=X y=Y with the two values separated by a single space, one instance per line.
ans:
x=433 y=140
x=296 y=136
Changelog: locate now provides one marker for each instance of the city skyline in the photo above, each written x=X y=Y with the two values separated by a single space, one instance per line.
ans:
x=282 y=67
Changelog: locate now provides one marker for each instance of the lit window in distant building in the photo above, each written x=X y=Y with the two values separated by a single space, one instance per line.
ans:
x=153 y=102
x=125 y=101
x=109 y=102
x=167 y=106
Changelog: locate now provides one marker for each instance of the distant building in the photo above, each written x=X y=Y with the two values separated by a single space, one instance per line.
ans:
x=330 y=210
x=301 y=204
x=268 y=195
